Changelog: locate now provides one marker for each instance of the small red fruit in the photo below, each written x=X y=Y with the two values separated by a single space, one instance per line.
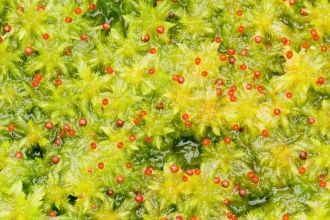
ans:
x=106 y=26
x=11 y=127
x=204 y=73
x=242 y=192
x=206 y=142
x=303 y=155
x=68 y=20
x=151 y=71
x=264 y=133
x=242 y=67
x=18 y=155
x=120 y=123
x=255 y=180
x=82 y=122
x=226 y=202
x=84 y=37
x=223 y=57
x=52 y=214
x=324 y=48
x=305 y=45
x=185 y=179
x=72 y=132
x=197 y=171
x=93 y=145
x=120 y=179
x=90 y=170
x=302 y=170
x=41 y=8
x=174 y=168
x=35 y=83
x=250 y=175
x=120 y=145
x=216 y=180
x=132 y=137
x=217 y=39
x=322 y=177
x=93 y=206
x=235 y=127
x=7 y=28
x=185 y=116
x=248 y=86
x=28 y=50
x=139 y=198
x=160 y=29
x=258 y=39
x=289 y=54
x=323 y=184
x=20 y=8
x=225 y=184
x=311 y=121
x=231 y=51
x=55 y=159
x=241 y=29
x=109 y=70
x=128 y=165
x=66 y=127
x=198 y=60
x=289 y=95
x=229 y=215
x=105 y=101
x=67 y=52
x=136 y=121
x=143 y=113
x=110 y=192
x=189 y=172
x=227 y=140
x=277 y=111
x=181 y=80
x=285 y=217
x=152 y=50
x=239 y=12
x=49 y=125
x=77 y=11
x=100 y=165
x=92 y=7
x=148 y=171
x=45 y=36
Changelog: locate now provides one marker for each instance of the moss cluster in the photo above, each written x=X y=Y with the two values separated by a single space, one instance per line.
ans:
x=167 y=109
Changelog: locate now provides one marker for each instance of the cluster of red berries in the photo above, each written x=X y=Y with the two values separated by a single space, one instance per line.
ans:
x=251 y=175
x=322 y=183
x=231 y=216
x=185 y=117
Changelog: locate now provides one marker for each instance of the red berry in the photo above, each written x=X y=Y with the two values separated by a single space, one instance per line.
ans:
x=226 y=202
x=52 y=214
x=260 y=88
x=136 y=121
x=174 y=168
x=72 y=132
x=1 y=39
x=204 y=73
x=18 y=155
x=41 y=8
x=90 y=170
x=83 y=37
x=185 y=179
x=256 y=74
x=303 y=13
x=217 y=39
x=66 y=127
x=93 y=206
x=198 y=61
x=139 y=198
x=324 y=48
x=242 y=67
x=264 y=133
x=311 y=121
x=289 y=54
x=105 y=101
x=28 y=50
x=225 y=184
x=241 y=29
x=171 y=15
x=320 y=80
x=11 y=127
x=188 y=124
x=181 y=80
x=289 y=95
x=206 y=142
x=185 y=116
x=92 y=6
x=305 y=45
x=143 y=113
x=323 y=184
x=189 y=172
x=218 y=91
x=197 y=171
x=148 y=171
x=244 y=52
x=302 y=170
x=120 y=145
x=277 y=111
x=322 y=177
x=68 y=20
x=35 y=83
x=242 y=192
x=49 y=125
x=235 y=127
x=232 y=98
x=216 y=180
x=67 y=52
x=153 y=50
x=120 y=179
x=313 y=32
x=285 y=217
x=231 y=51
x=82 y=122
x=303 y=155
x=148 y=139
x=179 y=217
x=175 y=77
x=61 y=133
x=239 y=12
x=128 y=165
x=80 y=196
x=229 y=215
x=151 y=71
x=132 y=137
x=93 y=145
x=77 y=11
x=55 y=159
x=316 y=38
x=250 y=175
x=255 y=180
x=106 y=26
x=248 y=86
x=110 y=192
x=160 y=29
x=223 y=57
x=237 y=187
x=109 y=70
x=258 y=39
x=227 y=140
x=120 y=123
x=7 y=28
x=45 y=36
x=219 y=82
x=100 y=165
x=284 y=40
x=20 y=8
x=292 y=2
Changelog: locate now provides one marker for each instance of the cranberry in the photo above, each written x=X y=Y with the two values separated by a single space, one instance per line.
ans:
x=82 y=122
x=303 y=155
x=106 y=26
x=139 y=198
x=55 y=159
x=120 y=123
x=49 y=125
x=242 y=192
x=206 y=142
x=174 y=168
x=160 y=29
x=110 y=192
x=120 y=179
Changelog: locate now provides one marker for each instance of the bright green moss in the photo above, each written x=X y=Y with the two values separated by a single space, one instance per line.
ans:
x=113 y=75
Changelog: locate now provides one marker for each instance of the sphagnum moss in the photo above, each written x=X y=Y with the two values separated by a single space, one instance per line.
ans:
x=167 y=109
